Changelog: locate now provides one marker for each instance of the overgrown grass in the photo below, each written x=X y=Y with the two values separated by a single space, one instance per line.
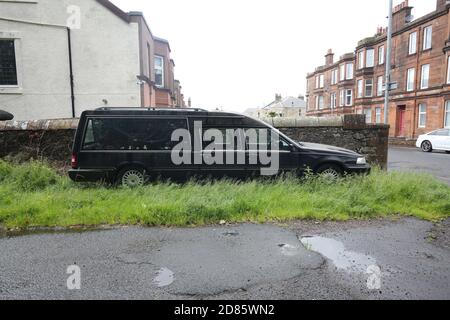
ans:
x=33 y=194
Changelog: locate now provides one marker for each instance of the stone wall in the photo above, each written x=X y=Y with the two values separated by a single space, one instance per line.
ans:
x=349 y=131
x=52 y=139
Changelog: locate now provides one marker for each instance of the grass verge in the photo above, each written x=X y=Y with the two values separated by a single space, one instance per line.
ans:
x=34 y=195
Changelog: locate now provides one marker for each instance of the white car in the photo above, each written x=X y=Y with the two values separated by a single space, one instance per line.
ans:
x=436 y=140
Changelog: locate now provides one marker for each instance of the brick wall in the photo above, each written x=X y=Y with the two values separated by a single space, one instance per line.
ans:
x=52 y=140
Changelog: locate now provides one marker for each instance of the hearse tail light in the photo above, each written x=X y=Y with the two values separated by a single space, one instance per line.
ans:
x=74 y=161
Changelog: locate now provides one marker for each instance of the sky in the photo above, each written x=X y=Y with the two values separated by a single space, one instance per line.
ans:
x=237 y=54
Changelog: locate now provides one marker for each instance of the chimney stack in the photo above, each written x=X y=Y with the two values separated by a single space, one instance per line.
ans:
x=401 y=15
x=329 y=57
x=441 y=5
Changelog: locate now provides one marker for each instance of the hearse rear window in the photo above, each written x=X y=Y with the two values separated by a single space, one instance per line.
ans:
x=131 y=134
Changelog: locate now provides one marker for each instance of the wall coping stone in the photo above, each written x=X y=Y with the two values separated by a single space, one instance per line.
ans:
x=37 y=125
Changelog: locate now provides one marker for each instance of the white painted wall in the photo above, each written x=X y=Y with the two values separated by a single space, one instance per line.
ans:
x=105 y=59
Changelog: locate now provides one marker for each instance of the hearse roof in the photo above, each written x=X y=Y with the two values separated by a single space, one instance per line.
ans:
x=160 y=111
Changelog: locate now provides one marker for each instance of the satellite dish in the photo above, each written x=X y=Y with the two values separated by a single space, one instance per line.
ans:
x=5 y=116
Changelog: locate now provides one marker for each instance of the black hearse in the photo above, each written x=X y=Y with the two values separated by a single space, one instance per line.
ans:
x=129 y=145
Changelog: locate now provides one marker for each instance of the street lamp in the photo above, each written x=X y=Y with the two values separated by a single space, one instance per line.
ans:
x=388 y=66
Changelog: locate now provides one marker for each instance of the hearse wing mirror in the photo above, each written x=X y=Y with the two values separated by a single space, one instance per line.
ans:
x=5 y=116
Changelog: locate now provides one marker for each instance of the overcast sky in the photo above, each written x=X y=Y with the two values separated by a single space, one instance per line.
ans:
x=236 y=54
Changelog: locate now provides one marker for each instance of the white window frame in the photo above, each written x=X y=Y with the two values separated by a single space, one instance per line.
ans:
x=317 y=102
x=347 y=96
x=422 y=116
x=412 y=46
x=410 y=79
x=333 y=100
x=368 y=114
x=349 y=71
x=341 y=98
x=361 y=59
x=380 y=86
x=157 y=68
x=381 y=55
x=425 y=81
x=366 y=85
x=17 y=38
x=447 y=115
x=448 y=70
x=342 y=72
x=427 y=38
x=378 y=115
x=370 y=58
x=334 y=76
x=321 y=81
x=360 y=86
x=321 y=103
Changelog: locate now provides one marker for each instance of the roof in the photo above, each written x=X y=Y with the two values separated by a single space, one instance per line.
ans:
x=116 y=10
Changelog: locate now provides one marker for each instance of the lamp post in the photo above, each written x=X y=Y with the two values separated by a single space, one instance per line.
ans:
x=388 y=66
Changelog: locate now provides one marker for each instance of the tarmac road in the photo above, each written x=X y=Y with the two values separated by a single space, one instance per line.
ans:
x=380 y=259
x=436 y=163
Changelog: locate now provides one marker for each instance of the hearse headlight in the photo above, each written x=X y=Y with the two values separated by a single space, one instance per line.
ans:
x=361 y=161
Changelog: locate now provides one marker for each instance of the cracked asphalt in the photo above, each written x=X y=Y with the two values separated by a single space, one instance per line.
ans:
x=245 y=261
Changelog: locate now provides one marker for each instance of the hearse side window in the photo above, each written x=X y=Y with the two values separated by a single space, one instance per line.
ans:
x=264 y=141
x=132 y=134
x=228 y=142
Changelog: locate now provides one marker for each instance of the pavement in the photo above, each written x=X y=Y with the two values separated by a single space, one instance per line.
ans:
x=379 y=259
x=436 y=163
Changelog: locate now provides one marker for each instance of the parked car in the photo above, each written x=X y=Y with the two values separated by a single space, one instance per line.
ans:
x=129 y=145
x=436 y=140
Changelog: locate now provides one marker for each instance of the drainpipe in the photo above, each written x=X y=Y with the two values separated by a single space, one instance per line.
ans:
x=72 y=95
x=388 y=66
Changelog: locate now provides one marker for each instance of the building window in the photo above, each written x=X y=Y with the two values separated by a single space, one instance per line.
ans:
x=448 y=70
x=342 y=72
x=321 y=81
x=370 y=58
x=381 y=55
x=317 y=82
x=8 y=67
x=321 y=102
x=427 y=37
x=334 y=76
x=410 y=78
x=425 y=77
x=360 y=89
x=159 y=71
x=447 y=115
x=369 y=88
x=422 y=115
x=368 y=114
x=380 y=86
x=333 y=100
x=348 y=97
x=361 y=60
x=341 y=98
x=412 y=43
x=378 y=115
x=349 y=71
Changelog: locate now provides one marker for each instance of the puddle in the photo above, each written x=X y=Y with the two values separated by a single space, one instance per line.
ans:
x=335 y=251
x=164 y=278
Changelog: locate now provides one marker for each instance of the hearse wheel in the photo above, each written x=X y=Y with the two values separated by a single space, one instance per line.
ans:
x=131 y=177
x=427 y=146
x=329 y=171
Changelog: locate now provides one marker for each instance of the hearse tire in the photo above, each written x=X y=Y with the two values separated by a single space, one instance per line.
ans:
x=131 y=177
x=330 y=171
